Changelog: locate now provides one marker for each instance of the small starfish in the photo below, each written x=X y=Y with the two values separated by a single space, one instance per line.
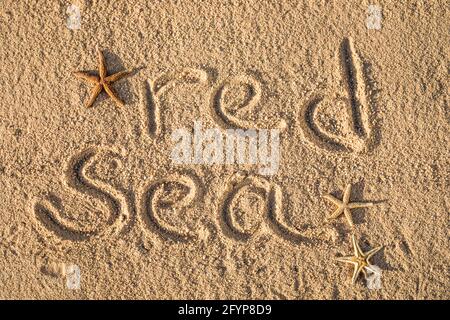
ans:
x=360 y=260
x=344 y=206
x=102 y=82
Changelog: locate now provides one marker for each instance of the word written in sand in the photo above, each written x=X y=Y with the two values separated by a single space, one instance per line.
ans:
x=329 y=121
x=170 y=207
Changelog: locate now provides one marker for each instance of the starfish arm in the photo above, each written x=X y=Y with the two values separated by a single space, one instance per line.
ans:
x=101 y=65
x=335 y=214
x=354 y=205
x=94 y=94
x=356 y=249
x=113 y=95
x=117 y=76
x=347 y=193
x=363 y=270
x=355 y=245
x=348 y=216
x=372 y=252
x=85 y=76
x=332 y=199
x=346 y=260
x=356 y=273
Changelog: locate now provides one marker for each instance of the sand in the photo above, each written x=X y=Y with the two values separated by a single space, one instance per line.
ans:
x=357 y=100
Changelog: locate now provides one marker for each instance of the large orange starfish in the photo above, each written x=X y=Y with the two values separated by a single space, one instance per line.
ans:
x=102 y=82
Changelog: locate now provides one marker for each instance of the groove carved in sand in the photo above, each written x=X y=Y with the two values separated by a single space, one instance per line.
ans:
x=153 y=89
x=356 y=134
x=176 y=192
x=52 y=217
x=271 y=215
x=254 y=97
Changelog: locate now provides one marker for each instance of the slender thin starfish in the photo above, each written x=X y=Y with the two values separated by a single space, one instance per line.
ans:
x=344 y=206
x=360 y=260
x=103 y=82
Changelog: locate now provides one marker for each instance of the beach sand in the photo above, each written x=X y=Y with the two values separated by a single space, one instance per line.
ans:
x=92 y=205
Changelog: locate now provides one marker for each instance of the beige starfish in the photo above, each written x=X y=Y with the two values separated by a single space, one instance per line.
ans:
x=103 y=82
x=344 y=206
x=360 y=260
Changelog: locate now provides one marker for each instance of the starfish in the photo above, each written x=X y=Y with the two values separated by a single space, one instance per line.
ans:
x=360 y=260
x=102 y=82
x=344 y=206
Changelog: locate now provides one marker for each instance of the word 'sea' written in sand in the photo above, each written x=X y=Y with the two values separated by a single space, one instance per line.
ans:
x=179 y=193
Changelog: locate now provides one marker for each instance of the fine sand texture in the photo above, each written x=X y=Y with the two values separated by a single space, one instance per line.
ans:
x=92 y=205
